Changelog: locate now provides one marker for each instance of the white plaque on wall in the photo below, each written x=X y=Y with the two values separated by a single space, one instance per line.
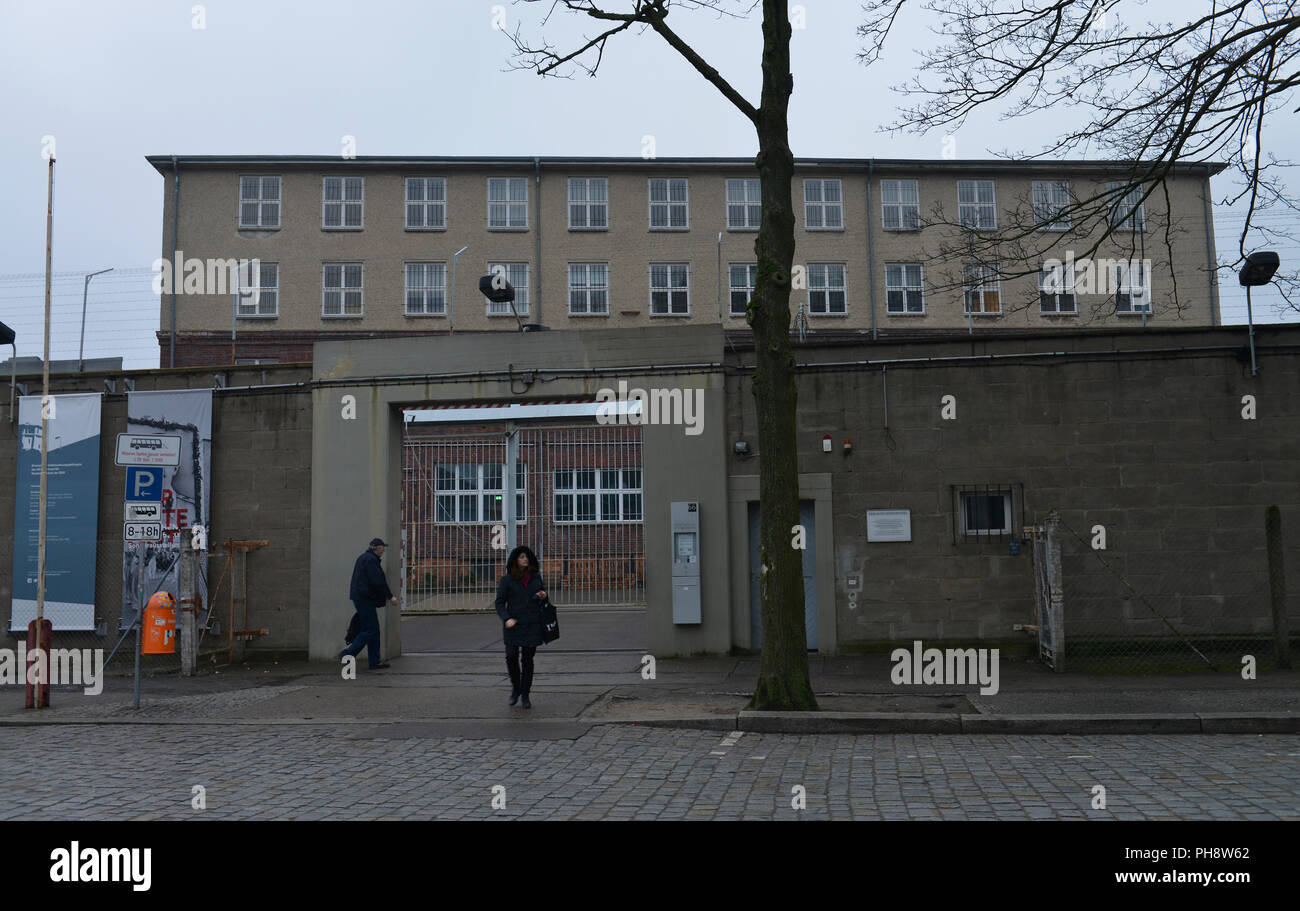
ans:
x=889 y=525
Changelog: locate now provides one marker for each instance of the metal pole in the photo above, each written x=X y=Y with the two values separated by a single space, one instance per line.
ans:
x=45 y=426
x=81 y=351
x=139 y=626
x=1146 y=279
x=1251 y=319
x=720 y=277
x=451 y=298
x=508 y=508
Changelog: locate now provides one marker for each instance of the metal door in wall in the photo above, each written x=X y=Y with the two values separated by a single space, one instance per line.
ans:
x=807 y=517
x=578 y=505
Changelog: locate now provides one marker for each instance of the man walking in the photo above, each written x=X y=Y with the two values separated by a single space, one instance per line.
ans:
x=369 y=592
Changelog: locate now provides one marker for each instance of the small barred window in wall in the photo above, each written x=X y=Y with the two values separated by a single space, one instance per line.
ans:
x=475 y=494
x=670 y=288
x=744 y=208
x=342 y=289
x=903 y=289
x=259 y=202
x=426 y=203
x=826 y=288
x=1131 y=292
x=517 y=275
x=598 y=495
x=343 y=200
x=900 y=202
x=742 y=279
x=426 y=289
x=1056 y=290
x=823 y=205
x=589 y=288
x=259 y=289
x=669 y=204
x=1126 y=212
x=1051 y=199
x=507 y=202
x=983 y=288
x=588 y=203
x=976 y=205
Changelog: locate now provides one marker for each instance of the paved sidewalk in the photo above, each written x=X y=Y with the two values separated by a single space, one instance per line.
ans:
x=464 y=693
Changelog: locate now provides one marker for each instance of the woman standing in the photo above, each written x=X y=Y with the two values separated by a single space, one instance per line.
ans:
x=519 y=600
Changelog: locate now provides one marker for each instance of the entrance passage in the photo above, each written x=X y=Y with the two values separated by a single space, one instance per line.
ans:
x=807 y=518
x=578 y=505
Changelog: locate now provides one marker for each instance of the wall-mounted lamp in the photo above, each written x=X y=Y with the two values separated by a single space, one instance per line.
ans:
x=848 y=446
x=826 y=443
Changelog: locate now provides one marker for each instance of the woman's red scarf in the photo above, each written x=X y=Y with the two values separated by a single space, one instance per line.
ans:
x=524 y=578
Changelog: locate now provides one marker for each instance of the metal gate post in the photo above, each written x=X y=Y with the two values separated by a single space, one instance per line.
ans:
x=508 y=507
x=1056 y=596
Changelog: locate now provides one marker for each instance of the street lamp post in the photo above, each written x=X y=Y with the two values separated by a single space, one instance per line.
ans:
x=451 y=298
x=81 y=351
x=1257 y=270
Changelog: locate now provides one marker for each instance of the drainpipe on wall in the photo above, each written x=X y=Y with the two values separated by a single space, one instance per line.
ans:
x=1215 y=319
x=176 y=208
x=871 y=250
x=720 y=278
x=537 y=241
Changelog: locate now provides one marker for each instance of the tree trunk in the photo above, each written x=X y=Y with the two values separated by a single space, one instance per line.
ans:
x=783 y=667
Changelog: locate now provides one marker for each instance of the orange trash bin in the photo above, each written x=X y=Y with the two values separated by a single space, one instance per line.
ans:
x=159 y=625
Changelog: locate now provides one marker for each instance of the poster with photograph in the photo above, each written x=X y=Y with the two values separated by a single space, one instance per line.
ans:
x=147 y=566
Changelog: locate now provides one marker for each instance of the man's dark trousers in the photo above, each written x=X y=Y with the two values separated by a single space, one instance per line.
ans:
x=369 y=635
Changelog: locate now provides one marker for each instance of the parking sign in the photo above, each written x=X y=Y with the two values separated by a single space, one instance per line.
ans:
x=143 y=484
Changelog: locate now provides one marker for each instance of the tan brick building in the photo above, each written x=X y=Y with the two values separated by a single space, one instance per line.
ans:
x=366 y=247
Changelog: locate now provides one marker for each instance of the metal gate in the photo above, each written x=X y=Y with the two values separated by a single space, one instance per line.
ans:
x=578 y=505
x=1048 y=596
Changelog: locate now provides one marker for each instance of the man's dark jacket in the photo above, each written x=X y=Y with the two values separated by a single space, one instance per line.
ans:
x=516 y=601
x=369 y=586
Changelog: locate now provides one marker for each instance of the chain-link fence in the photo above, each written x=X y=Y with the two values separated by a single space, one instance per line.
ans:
x=1202 y=597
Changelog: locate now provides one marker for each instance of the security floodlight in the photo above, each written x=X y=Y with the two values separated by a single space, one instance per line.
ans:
x=496 y=289
x=7 y=335
x=1259 y=268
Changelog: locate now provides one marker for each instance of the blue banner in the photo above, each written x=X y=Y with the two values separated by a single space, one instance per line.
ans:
x=71 y=511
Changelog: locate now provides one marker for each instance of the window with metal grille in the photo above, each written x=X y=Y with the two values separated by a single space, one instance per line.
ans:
x=507 y=203
x=670 y=289
x=986 y=510
x=342 y=289
x=744 y=204
x=1126 y=213
x=426 y=289
x=669 y=204
x=597 y=495
x=259 y=202
x=976 y=205
x=259 y=289
x=823 y=205
x=426 y=203
x=343 y=199
x=903 y=289
x=983 y=289
x=589 y=288
x=900 y=203
x=1056 y=290
x=475 y=494
x=1051 y=199
x=588 y=203
x=826 y=289
x=1131 y=292
x=742 y=277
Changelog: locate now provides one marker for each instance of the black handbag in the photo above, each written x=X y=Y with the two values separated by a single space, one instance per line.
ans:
x=550 y=623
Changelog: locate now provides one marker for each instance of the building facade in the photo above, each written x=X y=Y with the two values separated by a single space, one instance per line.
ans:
x=375 y=246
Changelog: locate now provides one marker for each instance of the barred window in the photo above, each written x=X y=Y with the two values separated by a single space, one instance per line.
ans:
x=588 y=203
x=517 y=275
x=475 y=493
x=342 y=289
x=903 y=290
x=343 y=199
x=589 y=288
x=1051 y=199
x=976 y=204
x=426 y=203
x=507 y=203
x=426 y=289
x=259 y=289
x=743 y=277
x=259 y=202
x=826 y=288
x=598 y=495
x=669 y=204
x=900 y=202
x=670 y=292
x=823 y=205
x=744 y=204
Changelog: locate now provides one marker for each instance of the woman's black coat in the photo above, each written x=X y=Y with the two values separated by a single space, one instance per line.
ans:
x=515 y=601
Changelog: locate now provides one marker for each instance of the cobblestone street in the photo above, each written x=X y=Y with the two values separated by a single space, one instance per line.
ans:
x=351 y=771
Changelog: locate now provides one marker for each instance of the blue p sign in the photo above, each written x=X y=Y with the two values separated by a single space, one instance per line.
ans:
x=143 y=484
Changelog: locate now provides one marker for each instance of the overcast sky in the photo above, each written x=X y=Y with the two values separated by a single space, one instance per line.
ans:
x=113 y=82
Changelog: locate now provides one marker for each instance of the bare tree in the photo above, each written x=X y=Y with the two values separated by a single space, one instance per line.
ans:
x=1153 y=94
x=783 y=670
